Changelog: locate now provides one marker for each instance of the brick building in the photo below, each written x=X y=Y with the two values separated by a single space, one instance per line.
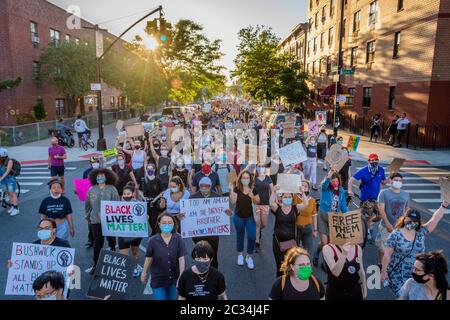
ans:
x=26 y=29
x=399 y=49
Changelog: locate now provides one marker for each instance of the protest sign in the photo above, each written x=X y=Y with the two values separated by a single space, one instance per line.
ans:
x=112 y=277
x=445 y=188
x=395 y=166
x=345 y=227
x=232 y=177
x=292 y=154
x=135 y=130
x=289 y=183
x=119 y=125
x=289 y=130
x=30 y=260
x=321 y=117
x=124 y=219
x=353 y=143
x=110 y=153
x=313 y=128
x=205 y=217
x=82 y=187
x=337 y=157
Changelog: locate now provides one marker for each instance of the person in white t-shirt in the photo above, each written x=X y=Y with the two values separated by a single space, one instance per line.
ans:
x=402 y=125
x=81 y=128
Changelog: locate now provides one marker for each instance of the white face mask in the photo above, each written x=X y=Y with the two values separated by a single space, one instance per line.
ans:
x=52 y=297
x=121 y=163
x=96 y=165
x=55 y=197
x=397 y=184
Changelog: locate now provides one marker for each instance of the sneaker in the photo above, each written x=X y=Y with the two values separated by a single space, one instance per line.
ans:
x=14 y=212
x=249 y=262
x=10 y=209
x=90 y=270
x=240 y=260
x=89 y=244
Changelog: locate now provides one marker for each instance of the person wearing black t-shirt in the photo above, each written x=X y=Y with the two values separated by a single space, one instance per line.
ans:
x=124 y=174
x=47 y=234
x=201 y=281
x=151 y=187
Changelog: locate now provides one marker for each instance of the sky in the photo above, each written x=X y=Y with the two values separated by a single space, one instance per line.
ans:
x=221 y=19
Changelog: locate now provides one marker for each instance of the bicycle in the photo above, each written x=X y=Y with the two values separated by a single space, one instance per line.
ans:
x=4 y=199
x=86 y=141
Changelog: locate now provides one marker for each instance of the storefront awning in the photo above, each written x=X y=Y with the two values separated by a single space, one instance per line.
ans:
x=331 y=90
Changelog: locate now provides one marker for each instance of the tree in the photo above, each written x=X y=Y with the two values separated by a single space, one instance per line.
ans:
x=292 y=82
x=39 y=112
x=8 y=84
x=71 y=69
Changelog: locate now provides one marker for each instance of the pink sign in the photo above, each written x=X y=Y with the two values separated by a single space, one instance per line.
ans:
x=82 y=187
x=313 y=127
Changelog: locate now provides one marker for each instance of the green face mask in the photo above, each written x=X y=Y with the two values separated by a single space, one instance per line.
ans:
x=304 y=272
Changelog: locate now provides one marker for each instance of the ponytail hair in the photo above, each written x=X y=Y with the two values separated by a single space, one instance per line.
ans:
x=435 y=263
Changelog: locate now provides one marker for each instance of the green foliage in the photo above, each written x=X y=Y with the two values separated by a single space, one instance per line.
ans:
x=8 y=84
x=39 y=112
x=292 y=82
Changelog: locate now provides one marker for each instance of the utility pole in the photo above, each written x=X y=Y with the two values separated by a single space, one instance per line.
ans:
x=101 y=143
x=337 y=109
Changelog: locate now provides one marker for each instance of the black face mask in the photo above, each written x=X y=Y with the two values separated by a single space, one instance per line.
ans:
x=127 y=198
x=419 y=279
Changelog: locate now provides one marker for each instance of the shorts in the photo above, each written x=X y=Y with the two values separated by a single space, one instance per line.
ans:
x=10 y=184
x=381 y=238
x=125 y=243
x=322 y=222
x=80 y=134
x=57 y=171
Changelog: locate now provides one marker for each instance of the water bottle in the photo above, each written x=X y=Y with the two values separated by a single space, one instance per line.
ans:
x=386 y=283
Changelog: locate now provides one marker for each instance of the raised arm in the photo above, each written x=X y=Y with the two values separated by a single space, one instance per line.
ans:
x=436 y=217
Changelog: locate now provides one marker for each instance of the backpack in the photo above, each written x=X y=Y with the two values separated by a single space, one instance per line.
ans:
x=316 y=282
x=16 y=168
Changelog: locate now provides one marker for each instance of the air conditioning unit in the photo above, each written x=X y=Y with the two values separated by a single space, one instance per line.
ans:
x=35 y=39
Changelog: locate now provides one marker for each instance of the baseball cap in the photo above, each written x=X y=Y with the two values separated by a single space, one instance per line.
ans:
x=205 y=180
x=414 y=215
x=3 y=152
x=373 y=156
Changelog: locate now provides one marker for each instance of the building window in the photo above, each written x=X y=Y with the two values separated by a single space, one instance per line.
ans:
x=324 y=17
x=367 y=97
x=321 y=41
x=330 y=36
x=352 y=91
x=316 y=20
x=60 y=107
x=356 y=21
x=34 y=33
x=309 y=48
x=373 y=12
x=399 y=5
x=354 y=57
x=396 y=44
x=370 y=52
x=392 y=91
x=332 y=8
x=314 y=68
x=351 y=96
x=315 y=44
x=328 y=65
x=343 y=28
x=55 y=36
x=310 y=4
x=67 y=38
x=77 y=40
x=36 y=70
x=307 y=68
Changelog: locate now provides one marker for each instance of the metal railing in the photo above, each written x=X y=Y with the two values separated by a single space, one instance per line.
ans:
x=18 y=135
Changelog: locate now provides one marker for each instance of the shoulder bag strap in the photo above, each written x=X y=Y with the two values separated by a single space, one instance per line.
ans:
x=316 y=282
x=406 y=255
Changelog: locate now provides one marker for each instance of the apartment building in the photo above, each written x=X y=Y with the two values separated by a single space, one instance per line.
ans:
x=294 y=43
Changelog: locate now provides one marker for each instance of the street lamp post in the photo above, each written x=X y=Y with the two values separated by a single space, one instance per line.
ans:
x=101 y=143
x=337 y=111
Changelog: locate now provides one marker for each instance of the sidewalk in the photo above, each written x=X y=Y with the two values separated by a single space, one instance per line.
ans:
x=37 y=152
x=387 y=153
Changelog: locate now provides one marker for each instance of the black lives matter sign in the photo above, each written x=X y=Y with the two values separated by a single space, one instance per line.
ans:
x=345 y=227
x=112 y=276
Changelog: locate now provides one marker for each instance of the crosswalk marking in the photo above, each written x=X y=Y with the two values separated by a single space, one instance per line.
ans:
x=34 y=178
x=44 y=168
x=24 y=191
x=35 y=172
x=420 y=178
x=31 y=183
x=445 y=212
x=424 y=191
x=417 y=185
x=434 y=200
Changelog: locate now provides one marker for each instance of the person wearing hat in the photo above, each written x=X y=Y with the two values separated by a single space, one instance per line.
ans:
x=404 y=244
x=58 y=207
x=95 y=164
x=56 y=157
x=8 y=181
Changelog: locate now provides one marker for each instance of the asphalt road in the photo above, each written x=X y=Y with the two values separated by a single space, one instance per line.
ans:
x=241 y=283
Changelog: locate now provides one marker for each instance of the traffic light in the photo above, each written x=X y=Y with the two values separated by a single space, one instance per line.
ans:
x=165 y=31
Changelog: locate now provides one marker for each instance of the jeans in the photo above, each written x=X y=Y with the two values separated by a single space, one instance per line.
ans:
x=167 y=293
x=400 y=136
x=99 y=240
x=305 y=237
x=243 y=225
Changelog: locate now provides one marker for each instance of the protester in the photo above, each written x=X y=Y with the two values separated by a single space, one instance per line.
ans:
x=47 y=234
x=49 y=286
x=223 y=169
x=162 y=162
x=8 y=181
x=322 y=146
x=165 y=258
x=63 y=130
x=124 y=174
x=263 y=187
x=207 y=172
x=202 y=281
x=94 y=164
x=244 y=196
x=307 y=219
x=58 y=207
x=429 y=278
x=392 y=131
x=150 y=185
x=56 y=157
x=103 y=188
x=402 y=125
x=346 y=276
x=180 y=171
x=345 y=171
x=375 y=128
x=297 y=281
x=138 y=159
x=81 y=128
x=310 y=166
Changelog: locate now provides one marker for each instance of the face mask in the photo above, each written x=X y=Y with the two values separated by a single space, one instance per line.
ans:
x=164 y=153
x=335 y=185
x=307 y=193
x=166 y=228
x=397 y=184
x=95 y=165
x=201 y=266
x=304 y=272
x=150 y=172
x=206 y=169
x=174 y=190
x=121 y=163
x=44 y=234
x=127 y=198
x=101 y=180
x=245 y=182
x=204 y=190
x=52 y=297
x=261 y=170
x=287 y=201
x=419 y=279
x=223 y=158
x=163 y=139
x=340 y=142
x=411 y=225
x=55 y=197
x=373 y=165
x=180 y=164
x=137 y=147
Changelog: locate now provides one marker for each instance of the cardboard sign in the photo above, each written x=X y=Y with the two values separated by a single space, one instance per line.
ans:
x=119 y=125
x=232 y=177
x=136 y=130
x=292 y=154
x=353 y=143
x=289 y=130
x=313 y=128
x=321 y=117
x=110 y=153
x=205 y=217
x=445 y=188
x=395 y=166
x=124 y=219
x=29 y=261
x=337 y=157
x=82 y=187
x=345 y=227
x=289 y=183
x=112 y=277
